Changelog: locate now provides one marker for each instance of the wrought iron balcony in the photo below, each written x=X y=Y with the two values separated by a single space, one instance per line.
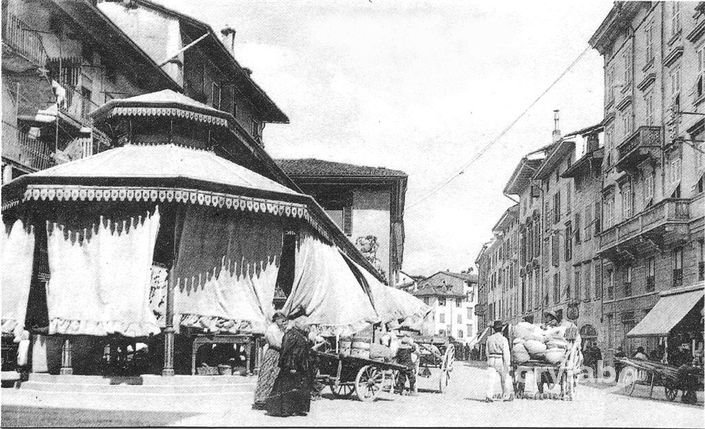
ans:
x=647 y=226
x=638 y=146
x=22 y=48
x=19 y=147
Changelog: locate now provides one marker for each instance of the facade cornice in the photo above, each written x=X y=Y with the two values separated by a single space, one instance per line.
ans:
x=672 y=56
x=648 y=80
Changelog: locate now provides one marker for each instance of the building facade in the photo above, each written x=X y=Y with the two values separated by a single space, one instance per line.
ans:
x=367 y=203
x=61 y=60
x=453 y=297
x=652 y=193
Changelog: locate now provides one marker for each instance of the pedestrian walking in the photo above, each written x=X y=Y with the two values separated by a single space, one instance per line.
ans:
x=498 y=360
x=270 y=365
x=291 y=394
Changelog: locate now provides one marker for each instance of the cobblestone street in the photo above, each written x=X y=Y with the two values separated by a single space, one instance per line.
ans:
x=461 y=405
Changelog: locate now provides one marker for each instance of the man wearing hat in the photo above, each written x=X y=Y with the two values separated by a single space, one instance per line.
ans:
x=404 y=358
x=498 y=363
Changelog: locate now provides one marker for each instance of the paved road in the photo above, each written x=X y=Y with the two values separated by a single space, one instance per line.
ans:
x=461 y=405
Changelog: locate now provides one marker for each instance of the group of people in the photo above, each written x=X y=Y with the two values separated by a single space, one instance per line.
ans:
x=287 y=375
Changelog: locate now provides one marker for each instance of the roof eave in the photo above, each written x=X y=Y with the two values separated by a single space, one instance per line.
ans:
x=554 y=158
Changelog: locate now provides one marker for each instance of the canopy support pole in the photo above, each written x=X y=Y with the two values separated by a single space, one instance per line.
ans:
x=66 y=355
x=168 y=369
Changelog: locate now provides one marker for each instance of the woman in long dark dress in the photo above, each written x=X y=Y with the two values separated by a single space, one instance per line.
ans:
x=270 y=365
x=291 y=394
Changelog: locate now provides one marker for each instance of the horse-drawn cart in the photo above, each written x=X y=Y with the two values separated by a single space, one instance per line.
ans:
x=436 y=358
x=649 y=373
x=347 y=375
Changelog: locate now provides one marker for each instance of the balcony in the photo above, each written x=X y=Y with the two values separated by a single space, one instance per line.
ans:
x=22 y=49
x=29 y=152
x=651 y=227
x=637 y=147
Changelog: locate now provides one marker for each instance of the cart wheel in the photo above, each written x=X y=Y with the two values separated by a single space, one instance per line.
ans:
x=342 y=390
x=671 y=393
x=449 y=358
x=368 y=383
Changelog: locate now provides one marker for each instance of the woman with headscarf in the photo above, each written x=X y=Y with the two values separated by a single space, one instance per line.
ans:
x=270 y=365
x=291 y=394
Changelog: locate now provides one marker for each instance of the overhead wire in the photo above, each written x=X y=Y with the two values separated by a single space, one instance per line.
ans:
x=511 y=125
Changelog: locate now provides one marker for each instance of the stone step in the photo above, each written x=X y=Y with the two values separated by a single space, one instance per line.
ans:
x=157 y=389
x=144 y=380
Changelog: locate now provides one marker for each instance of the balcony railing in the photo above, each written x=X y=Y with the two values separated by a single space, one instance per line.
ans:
x=18 y=37
x=667 y=211
x=631 y=151
x=25 y=150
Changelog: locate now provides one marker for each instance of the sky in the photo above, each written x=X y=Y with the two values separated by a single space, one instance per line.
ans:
x=422 y=87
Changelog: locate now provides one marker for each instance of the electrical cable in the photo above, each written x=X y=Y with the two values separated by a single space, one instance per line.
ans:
x=486 y=147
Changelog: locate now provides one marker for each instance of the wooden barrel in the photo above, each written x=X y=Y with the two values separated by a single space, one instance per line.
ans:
x=345 y=345
x=361 y=347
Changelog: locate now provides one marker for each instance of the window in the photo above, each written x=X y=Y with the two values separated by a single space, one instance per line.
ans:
x=677 y=256
x=628 y=281
x=587 y=232
x=460 y=333
x=626 y=116
x=442 y=318
x=469 y=329
x=610 y=284
x=588 y=281
x=557 y=207
x=470 y=312
x=649 y=30
x=577 y=228
x=651 y=274
x=676 y=87
x=649 y=108
x=627 y=201
x=568 y=242
x=674 y=173
x=556 y=288
x=609 y=81
x=648 y=188
x=459 y=302
x=537 y=239
x=701 y=260
x=215 y=95
x=598 y=217
x=578 y=290
x=567 y=198
x=554 y=250
x=627 y=57
x=86 y=105
x=441 y=300
x=699 y=149
x=609 y=210
x=610 y=331
x=699 y=89
x=675 y=18
x=460 y=318
x=598 y=279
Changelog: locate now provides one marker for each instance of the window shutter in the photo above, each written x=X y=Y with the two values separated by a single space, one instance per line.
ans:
x=347 y=220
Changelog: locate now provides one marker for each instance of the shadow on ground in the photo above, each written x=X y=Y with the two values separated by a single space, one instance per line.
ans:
x=14 y=416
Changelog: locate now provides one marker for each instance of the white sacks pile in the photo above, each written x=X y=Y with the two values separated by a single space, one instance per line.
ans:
x=533 y=342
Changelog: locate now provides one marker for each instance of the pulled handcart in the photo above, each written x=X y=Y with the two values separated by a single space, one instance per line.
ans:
x=347 y=375
x=436 y=358
x=649 y=373
x=564 y=372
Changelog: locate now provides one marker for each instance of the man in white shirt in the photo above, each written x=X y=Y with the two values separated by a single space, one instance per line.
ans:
x=498 y=361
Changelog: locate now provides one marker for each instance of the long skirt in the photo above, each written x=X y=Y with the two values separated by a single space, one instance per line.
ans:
x=267 y=375
x=291 y=395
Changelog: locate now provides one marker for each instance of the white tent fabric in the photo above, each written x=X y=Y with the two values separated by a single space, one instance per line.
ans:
x=100 y=276
x=226 y=270
x=327 y=289
x=17 y=259
x=391 y=303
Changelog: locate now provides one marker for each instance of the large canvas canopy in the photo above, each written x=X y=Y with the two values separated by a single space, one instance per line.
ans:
x=327 y=290
x=17 y=258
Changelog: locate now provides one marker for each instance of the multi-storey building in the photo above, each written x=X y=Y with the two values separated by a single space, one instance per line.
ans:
x=367 y=203
x=482 y=262
x=453 y=297
x=652 y=193
x=62 y=59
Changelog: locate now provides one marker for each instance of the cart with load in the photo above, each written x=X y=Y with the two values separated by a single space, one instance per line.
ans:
x=347 y=375
x=653 y=374
x=552 y=356
x=436 y=358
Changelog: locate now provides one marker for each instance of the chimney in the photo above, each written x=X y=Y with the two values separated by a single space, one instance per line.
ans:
x=556 y=129
x=228 y=38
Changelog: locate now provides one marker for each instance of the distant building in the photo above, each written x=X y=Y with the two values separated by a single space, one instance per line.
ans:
x=453 y=297
x=367 y=203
